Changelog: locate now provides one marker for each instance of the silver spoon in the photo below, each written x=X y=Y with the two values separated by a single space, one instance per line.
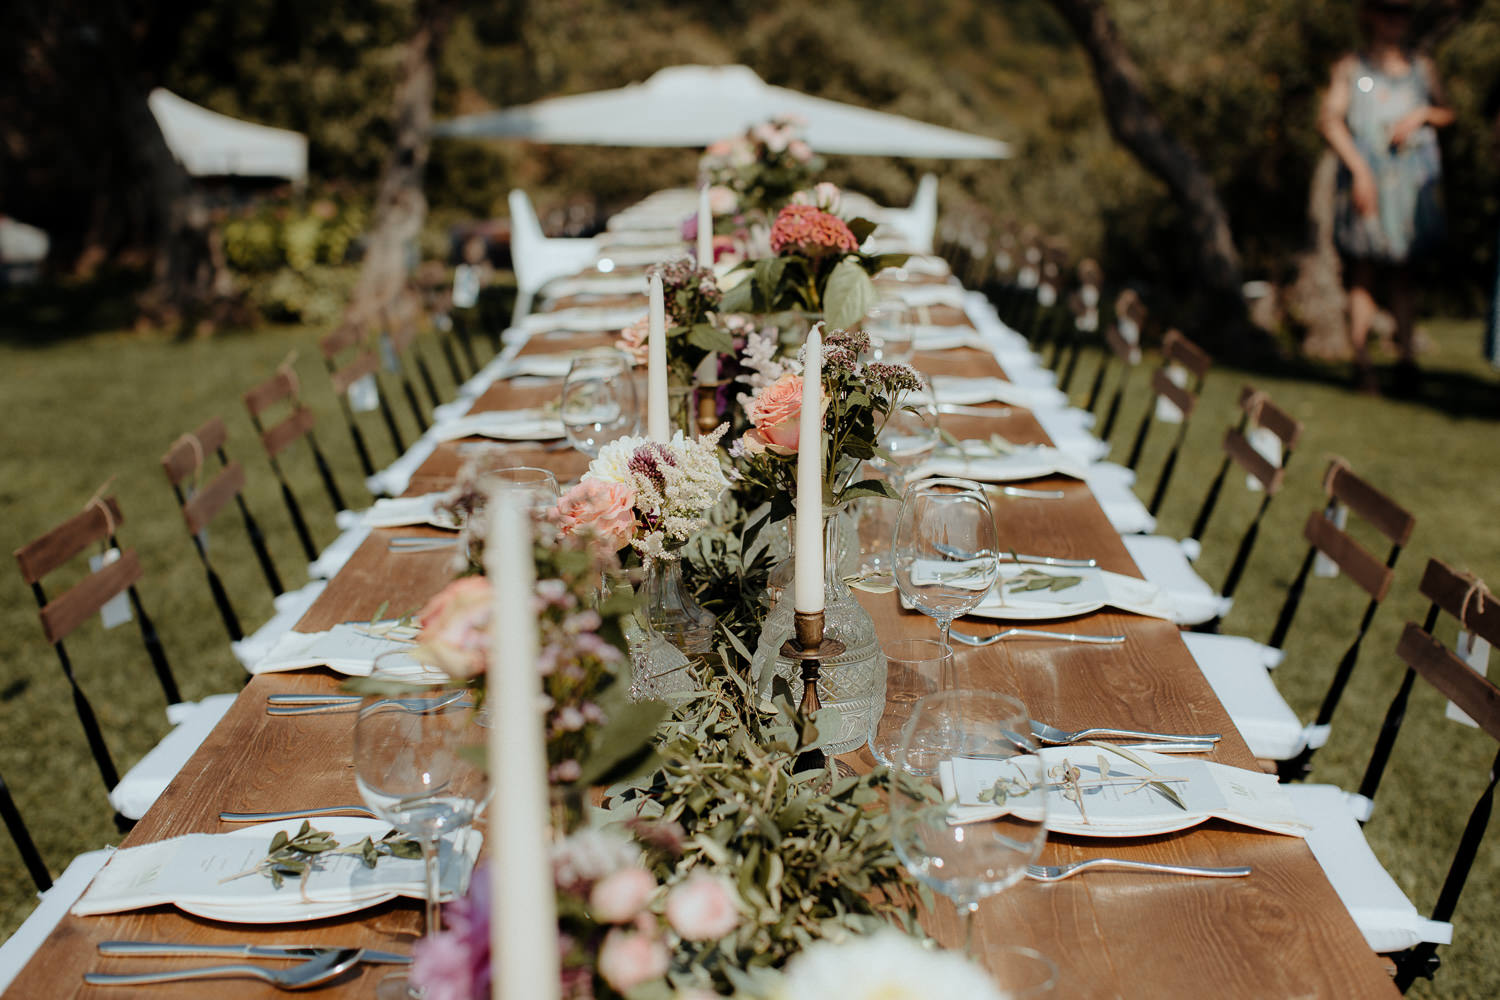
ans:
x=1056 y=873
x=1062 y=737
x=313 y=813
x=298 y=977
x=1036 y=633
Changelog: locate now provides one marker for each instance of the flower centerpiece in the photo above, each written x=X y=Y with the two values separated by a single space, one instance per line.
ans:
x=694 y=334
x=764 y=165
x=816 y=264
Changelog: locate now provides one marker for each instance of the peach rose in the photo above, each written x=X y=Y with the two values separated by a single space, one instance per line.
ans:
x=455 y=628
x=775 y=414
x=701 y=908
x=617 y=898
x=630 y=958
x=605 y=507
x=633 y=340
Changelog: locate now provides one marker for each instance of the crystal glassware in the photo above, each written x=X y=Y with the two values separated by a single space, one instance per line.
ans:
x=889 y=324
x=599 y=402
x=946 y=552
x=914 y=668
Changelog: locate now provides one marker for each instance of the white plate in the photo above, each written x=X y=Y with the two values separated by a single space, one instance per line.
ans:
x=1057 y=824
x=1090 y=594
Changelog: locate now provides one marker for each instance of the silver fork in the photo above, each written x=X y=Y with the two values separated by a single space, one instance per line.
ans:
x=298 y=977
x=1035 y=633
x=313 y=813
x=1056 y=873
x=1061 y=737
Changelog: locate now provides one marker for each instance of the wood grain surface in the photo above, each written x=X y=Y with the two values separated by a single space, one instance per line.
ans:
x=1281 y=932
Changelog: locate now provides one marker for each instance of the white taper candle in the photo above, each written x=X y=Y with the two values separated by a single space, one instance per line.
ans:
x=523 y=915
x=807 y=581
x=705 y=230
x=657 y=428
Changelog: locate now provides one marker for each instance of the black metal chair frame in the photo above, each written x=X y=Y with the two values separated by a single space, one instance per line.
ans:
x=36 y=867
x=1176 y=349
x=1476 y=609
x=360 y=361
x=298 y=423
x=59 y=616
x=187 y=458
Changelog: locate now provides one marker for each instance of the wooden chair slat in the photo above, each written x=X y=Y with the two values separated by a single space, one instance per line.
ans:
x=1372 y=575
x=82 y=601
x=1237 y=447
x=1389 y=518
x=207 y=502
x=42 y=555
x=1175 y=347
x=270 y=392
x=341 y=338
x=1454 y=592
x=183 y=459
x=290 y=430
x=1475 y=695
x=1272 y=417
x=365 y=363
x=1118 y=345
x=1183 y=399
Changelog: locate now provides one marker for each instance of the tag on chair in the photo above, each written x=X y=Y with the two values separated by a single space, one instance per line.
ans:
x=465 y=286
x=1166 y=410
x=364 y=395
x=1339 y=515
x=1265 y=443
x=1475 y=651
x=388 y=359
x=116 y=610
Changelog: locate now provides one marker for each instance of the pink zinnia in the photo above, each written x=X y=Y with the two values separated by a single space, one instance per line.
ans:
x=812 y=231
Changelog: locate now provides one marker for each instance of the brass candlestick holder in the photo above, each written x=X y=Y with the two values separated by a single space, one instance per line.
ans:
x=811 y=647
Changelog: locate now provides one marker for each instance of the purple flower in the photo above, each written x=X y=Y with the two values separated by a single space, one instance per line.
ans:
x=454 y=964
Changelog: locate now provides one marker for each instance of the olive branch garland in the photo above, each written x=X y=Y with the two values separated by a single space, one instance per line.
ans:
x=300 y=854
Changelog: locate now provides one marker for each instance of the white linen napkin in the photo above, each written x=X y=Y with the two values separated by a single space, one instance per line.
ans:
x=395 y=512
x=502 y=425
x=583 y=319
x=1026 y=462
x=925 y=294
x=350 y=648
x=990 y=389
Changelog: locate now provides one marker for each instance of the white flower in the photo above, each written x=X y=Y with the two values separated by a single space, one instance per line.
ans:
x=613 y=462
x=887 y=965
x=589 y=855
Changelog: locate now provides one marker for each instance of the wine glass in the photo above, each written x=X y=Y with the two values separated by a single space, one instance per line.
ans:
x=414 y=759
x=890 y=328
x=945 y=553
x=969 y=756
x=599 y=402
x=910 y=435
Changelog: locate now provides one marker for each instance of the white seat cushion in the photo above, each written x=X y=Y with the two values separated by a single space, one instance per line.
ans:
x=1237 y=674
x=20 y=946
x=1386 y=918
x=144 y=783
x=290 y=607
x=1111 y=485
x=1163 y=561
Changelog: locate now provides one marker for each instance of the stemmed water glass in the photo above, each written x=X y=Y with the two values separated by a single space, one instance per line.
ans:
x=890 y=328
x=969 y=751
x=415 y=765
x=910 y=435
x=599 y=402
x=946 y=552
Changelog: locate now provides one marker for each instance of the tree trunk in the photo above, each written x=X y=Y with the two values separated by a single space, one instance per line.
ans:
x=1136 y=125
x=400 y=205
x=1315 y=302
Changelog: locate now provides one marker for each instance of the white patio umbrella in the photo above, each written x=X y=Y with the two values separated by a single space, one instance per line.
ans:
x=209 y=144
x=697 y=105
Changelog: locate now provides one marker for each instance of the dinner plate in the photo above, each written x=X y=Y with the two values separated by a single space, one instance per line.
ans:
x=1078 y=828
x=1089 y=594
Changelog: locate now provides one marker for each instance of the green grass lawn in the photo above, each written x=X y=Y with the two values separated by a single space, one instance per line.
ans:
x=80 y=410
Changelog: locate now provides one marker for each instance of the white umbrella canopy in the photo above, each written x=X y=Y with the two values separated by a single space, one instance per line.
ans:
x=697 y=105
x=209 y=144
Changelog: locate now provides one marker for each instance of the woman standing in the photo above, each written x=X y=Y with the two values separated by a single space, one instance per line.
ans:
x=1380 y=114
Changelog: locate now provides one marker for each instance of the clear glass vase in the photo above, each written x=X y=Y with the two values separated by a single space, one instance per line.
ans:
x=673 y=635
x=852 y=682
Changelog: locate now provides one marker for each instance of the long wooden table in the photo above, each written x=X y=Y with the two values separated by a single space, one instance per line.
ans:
x=1281 y=932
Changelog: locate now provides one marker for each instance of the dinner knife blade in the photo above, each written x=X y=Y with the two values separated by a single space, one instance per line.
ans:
x=277 y=951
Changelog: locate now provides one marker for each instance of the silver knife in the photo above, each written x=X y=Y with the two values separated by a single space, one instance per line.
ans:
x=291 y=952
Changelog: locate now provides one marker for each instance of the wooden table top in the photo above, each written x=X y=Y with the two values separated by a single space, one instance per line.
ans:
x=1281 y=932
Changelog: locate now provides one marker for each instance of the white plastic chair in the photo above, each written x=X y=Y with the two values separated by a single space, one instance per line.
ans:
x=537 y=258
x=918 y=222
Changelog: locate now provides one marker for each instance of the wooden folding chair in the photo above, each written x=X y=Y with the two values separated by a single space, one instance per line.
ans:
x=21 y=837
x=349 y=355
x=1084 y=304
x=436 y=293
x=402 y=318
x=1378 y=905
x=62 y=615
x=296 y=426
x=1129 y=312
x=1167 y=562
x=1176 y=350
x=185 y=464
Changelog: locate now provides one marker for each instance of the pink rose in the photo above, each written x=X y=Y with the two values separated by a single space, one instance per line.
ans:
x=630 y=958
x=633 y=340
x=799 y=150
x=701 y=908
x=455 y=627
x=775 y=414
x=606 y=508
x=617 y=898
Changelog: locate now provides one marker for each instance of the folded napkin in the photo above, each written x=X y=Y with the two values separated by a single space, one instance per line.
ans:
x=391 y=481
x=990 y=389
x=342 y=548
x=984 y=466
x=542 y=365
x=1097 y=589
x=1111 y=486
x=396 y=512
x=349 y=648
x=502 y=425
x=598 y=283
x=635 y=256
x=1069 y=430
x=916 y=295
x=191 y=872
x=1113 y=803
x=655 y=236
x=919 y=263
x=583 y=319
x=948 y=338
